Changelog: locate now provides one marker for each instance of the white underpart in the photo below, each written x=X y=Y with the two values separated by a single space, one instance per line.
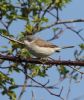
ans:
x=40 y=51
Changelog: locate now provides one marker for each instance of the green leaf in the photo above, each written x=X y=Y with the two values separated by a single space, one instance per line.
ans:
x=36 y=19
x=25 y=53
x=75 y=77
x=10 y=50
x=44 y=19
x=35 y=70
x=13 y=87
x=44 y=1
x=42 y=73
x=63 y=71
x=61 y=3
x=12 y=95
x=12 y=81
x=55 y=29
x=82 y=46
x=29 y=28
x=3 y=31
x=5 y=47
x=14 y=44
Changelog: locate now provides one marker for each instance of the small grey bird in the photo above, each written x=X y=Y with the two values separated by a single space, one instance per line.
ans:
x=41 y=48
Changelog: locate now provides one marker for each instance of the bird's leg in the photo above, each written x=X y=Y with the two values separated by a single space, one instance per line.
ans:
x=51 y=58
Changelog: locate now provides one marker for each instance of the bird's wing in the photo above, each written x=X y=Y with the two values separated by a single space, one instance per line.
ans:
x=43 y=43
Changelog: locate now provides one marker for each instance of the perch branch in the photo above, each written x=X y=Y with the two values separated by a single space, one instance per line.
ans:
x=36 y=61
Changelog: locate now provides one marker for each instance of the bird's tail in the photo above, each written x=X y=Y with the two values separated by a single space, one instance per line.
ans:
x=65 y=47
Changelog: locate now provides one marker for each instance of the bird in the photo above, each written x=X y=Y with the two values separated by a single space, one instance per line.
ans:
x=41 y=48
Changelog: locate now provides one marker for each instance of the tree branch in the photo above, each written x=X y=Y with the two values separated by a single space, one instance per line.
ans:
x=37 y=61
x=64 y=22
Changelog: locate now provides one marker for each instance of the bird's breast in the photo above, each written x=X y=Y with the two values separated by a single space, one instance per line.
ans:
x=41 y=51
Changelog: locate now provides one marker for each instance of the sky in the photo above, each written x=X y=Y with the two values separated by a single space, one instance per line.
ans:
x=74 y=10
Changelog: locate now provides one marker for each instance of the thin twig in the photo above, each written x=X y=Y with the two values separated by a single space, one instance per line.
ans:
x=37 y=86
x=11 y=39
x=64 y=23
x=58 y=95
x=33 y=96
x=77 y=32
x=25 y=83
x=46 y=9
x=76 y=70
x=23 y=89
x=69 y=89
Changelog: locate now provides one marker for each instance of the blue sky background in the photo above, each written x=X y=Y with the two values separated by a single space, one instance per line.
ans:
x=74 y=10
